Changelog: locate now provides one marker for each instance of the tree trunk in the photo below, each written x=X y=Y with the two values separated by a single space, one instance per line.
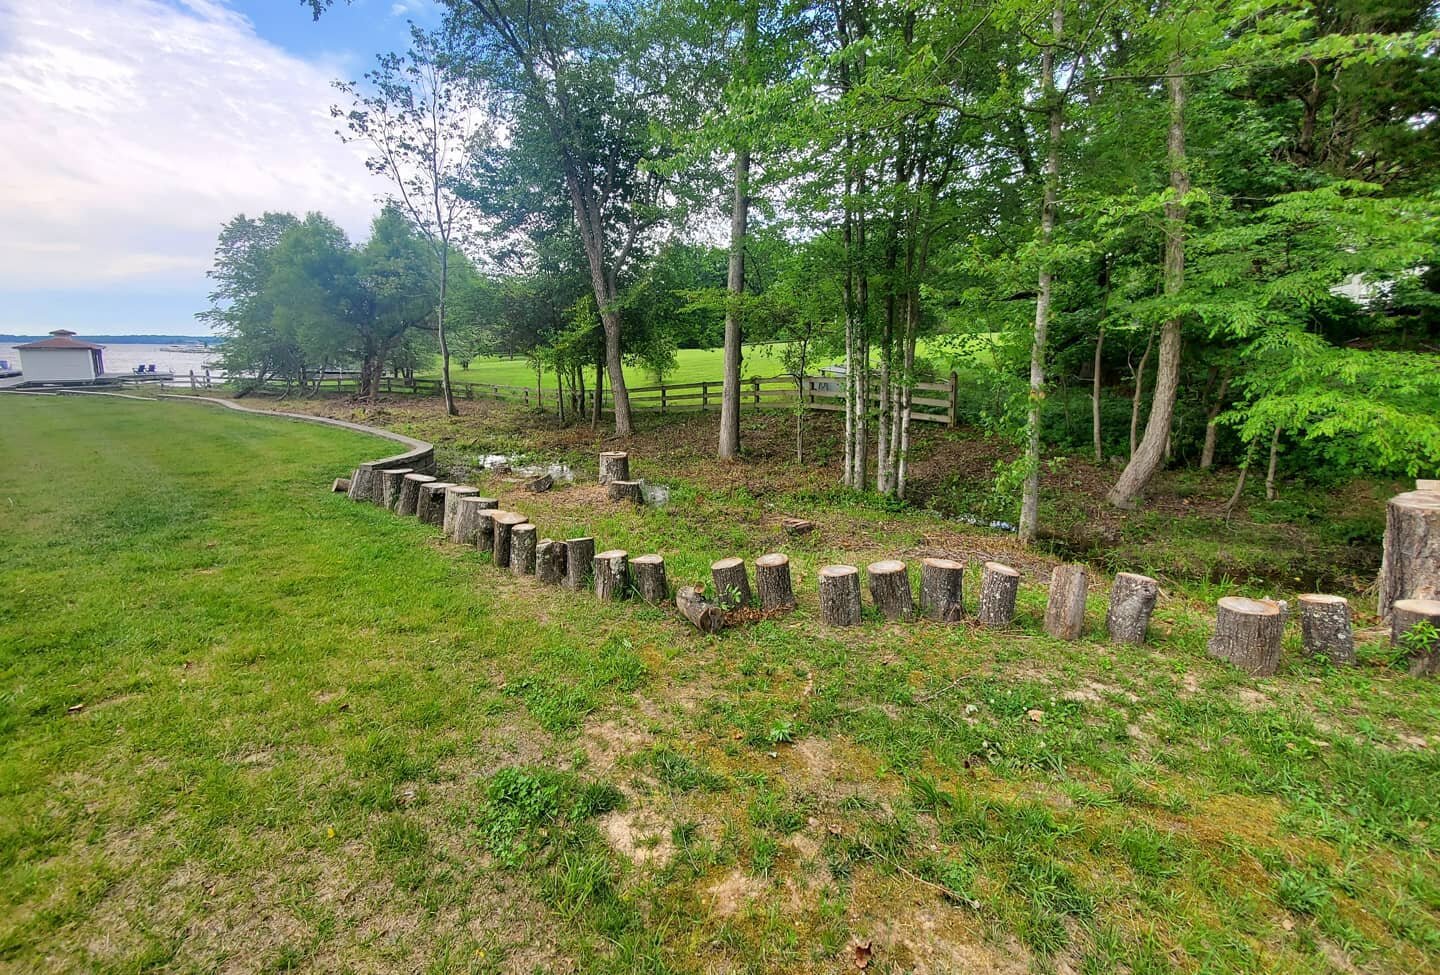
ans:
x=1270 y=490
x=648 y=572
x=942 y=588
x=1138 y=396
x=692 y=604
x=1410 y=568
x=890 y=589
x=1212 y=426
x=772 y=582
x=1132 y=601
x=614 y=466
x=1151 y=452
x=599 y=393
x=391 y=482
x=1095 y=398
x=440 y=331
x=611 y=575
x=409 y=501
x=550 y=561
x=998 y=586
x=503 y=524
x=452 y=507
x=431 y=509
x=732 y=584
x=1247 y=634
x=735 y=278
x=522 y=550
x=840 y=595
x=579 y=553
x=1065 y=607
x=1325 y=628
x=1424 y=654
x=631 y=491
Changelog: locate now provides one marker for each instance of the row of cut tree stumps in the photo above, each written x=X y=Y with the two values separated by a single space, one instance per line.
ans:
x=1248 y=632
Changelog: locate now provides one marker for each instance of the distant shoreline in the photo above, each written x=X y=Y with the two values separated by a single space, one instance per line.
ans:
x=122 y=339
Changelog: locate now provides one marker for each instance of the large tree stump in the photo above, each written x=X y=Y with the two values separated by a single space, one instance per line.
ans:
x=410 y=493
x=1065 y=607
x=1404 y=615
x=522 y=549
x=772 y=582
x=363 y=484
x=1410 y=568
x=431 y=509
x=998 y=586
x=579 y=553
x=390 y=482
x=503 y=524
x=942 y=590
x=632 y=491
x=732 y=584
x=550 y=561
x=1247 y=634
x=470 y=525
x=839 y=595
x=611 y=575
x=484 y=527
x=890 y=589
x=1325 y=628
x=1132 y=601
x=706 y=615
x=648 y=574
x=452 y=506
x=614 y=466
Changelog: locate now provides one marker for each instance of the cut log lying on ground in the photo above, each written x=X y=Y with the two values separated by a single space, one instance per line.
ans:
x=839 y=595
x=1325 y=629
x=1132 y=601
x=452 y=507
x=1247 y=634
x=1405 y=616
x=550 y=561
x=772 y=582
x=1065 y=607
x=390 y=482
x=431 y=509
x=409 y=501
x=503 y=524
x=797 y=526
x=536 y=485
x=579 y=553
x=890 y=589
x=998 y=586
x=1410 y=568
x=732 y=585
x=611 y=575
x=341 y=485
x=942 y=590
x=705 y=614
x=522 y=550
x=614 y=466
x=648 y=574
x=632 y=491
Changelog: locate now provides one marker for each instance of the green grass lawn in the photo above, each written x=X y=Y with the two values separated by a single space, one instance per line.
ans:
x=249 y=725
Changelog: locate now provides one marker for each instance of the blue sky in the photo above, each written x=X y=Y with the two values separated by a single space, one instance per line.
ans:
x=132 y=129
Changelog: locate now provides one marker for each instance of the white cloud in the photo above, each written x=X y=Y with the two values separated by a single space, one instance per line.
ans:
x=130 y=130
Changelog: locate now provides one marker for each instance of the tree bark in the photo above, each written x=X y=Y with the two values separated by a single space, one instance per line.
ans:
x=550 y=561
x=1325 y=628
x=1065 y=607
x=611 y=575
x=1247 y=634
x=522 y=550
x=890 y=589
x=1138 y=396
x=1212 y=426
x=503 y=524
x=614 y=466
x=1410 y=568
x=772 y=582
x=452 y=507
x=391 y=482
x=840 y=595
x=648 y=573
x=1270 y=490
x=431 y=508
x=440 y=327
x=1095 y=430
x=363 y=484
x=942 y=589
x=579 y=553
x=732 y=584
x=735 y=276
x=472 y=522
x=632 y=491
x=409 y=500
x=707 y=617
x=1404 y=615
x=1132 y=601
x=998 y=586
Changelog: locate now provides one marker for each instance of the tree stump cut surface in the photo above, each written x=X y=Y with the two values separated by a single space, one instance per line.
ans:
x=579 y=554
x=1325 y=629
x=614 y=466
x=840 y=595
x=452 y=507
x=732 y=583
x=1410 y=568
x=772 y=582
x=431 y=509
x=1132 y=601
x=410 y=486
x=1247 y=634
x=705 y=614
x=890 y=589
x=648 y=574
x=942 y=590
x=611 y=575
x=998 y=586
x=1404 y=616
x=503 y=525
x=550 y=561
x=390 y=482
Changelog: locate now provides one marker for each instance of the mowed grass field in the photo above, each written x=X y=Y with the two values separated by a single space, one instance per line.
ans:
x=247 y=725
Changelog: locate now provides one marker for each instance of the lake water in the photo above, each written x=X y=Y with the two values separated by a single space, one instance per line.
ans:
x=124 y=357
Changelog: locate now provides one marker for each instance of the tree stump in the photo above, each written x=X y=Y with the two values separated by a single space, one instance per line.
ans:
x=341 y=485
x=1247 y=634
x=452 y=506
x=1065 y=607
x=469 y=521
x=706 y=615
x=1404 y=615
x=579 y=553
x=648 y=574
x=772 y=582
x=538 y=485
x=363 y=483
x=522 y=549
x=410 y=493
x=390 y=482
x=550 y=561
x=503 y=524
x=890 y=589
x=732 y=584
x=614 y=466
x=839 y=595
x=431 y=509
x=632 y=491
x=998 y=586
x=611 y=575
x=942 y=590
x=484 y=527
x=1132 y=600
x=1410 y=568
x=1325 y=628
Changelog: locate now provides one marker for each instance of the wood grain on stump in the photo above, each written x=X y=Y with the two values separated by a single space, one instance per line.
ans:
x=648 y=574
x=611 y=575
x=1405 y=614
x=467 y=526
x=431 y=509
x=550 y=561
x=390 y=482
x=579 y=553
x=614 y=466
x=707 y=616
x=503 y=525
x=410 y=493
x=632 y=491
x=1132 y=601
x=452 y=506
x=942 y=590
x=1410 y=568
x=363 y=483
x=1325 y=628
x=1065 y=607
x=522 y=550
x=839 y=595
x=890 y=589
x=998 y=586
x=732 y=584
x=1247 y=634
x=772 y=582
